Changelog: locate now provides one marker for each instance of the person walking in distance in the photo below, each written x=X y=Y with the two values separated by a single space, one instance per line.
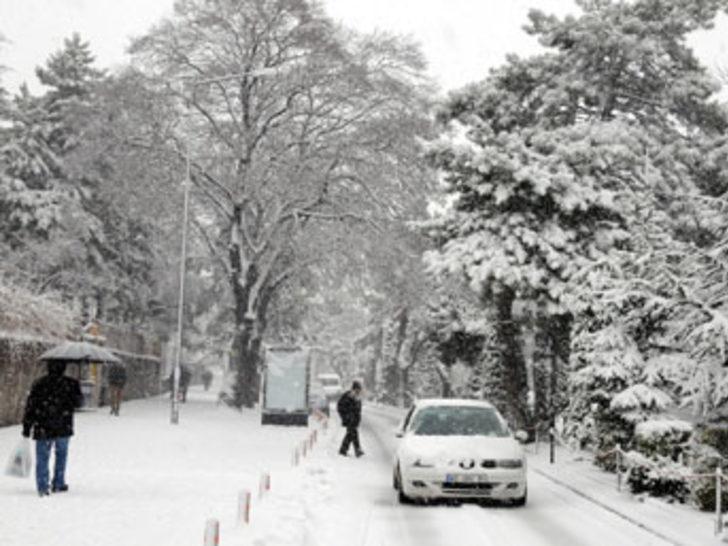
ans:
x=349 y=408
x=117 y=382
x=49 y=416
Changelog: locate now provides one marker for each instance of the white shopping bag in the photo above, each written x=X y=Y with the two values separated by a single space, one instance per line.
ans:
x=21 y=460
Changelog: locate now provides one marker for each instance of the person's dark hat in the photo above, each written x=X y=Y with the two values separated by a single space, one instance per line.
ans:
x=356 y=386
x=56 y=367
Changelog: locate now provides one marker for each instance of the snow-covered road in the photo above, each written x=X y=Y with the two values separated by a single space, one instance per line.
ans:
x=554 y=515
x=136 y=479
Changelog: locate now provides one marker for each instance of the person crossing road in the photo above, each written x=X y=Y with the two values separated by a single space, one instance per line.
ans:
x=349 y=409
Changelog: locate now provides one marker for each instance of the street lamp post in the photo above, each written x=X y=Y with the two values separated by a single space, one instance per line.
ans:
x=174 y=418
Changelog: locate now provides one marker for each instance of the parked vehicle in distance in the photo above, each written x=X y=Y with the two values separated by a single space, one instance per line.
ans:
x=453 y=448
x=317 y=399
x=285 y=386
x=331 y=383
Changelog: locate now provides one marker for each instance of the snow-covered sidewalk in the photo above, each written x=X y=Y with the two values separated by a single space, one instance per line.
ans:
x=680 y=524
x=137 y=479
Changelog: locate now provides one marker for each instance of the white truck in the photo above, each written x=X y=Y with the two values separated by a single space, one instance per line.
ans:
x=285 y=386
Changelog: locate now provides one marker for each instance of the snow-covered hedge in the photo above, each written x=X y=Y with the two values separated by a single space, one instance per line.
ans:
x=658 y=476
x=662 y=437
x=31 y=314
x=656 y=465
x=704 y=460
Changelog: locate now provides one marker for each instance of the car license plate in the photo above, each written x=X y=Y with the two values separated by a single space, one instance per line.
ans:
x=466 y=478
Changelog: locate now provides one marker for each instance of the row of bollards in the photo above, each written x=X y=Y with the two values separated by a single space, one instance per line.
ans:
x=305 y=448
x=212 y=526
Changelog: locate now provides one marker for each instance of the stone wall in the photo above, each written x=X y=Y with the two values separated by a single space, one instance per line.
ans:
x=19 y=367
x=143 y=375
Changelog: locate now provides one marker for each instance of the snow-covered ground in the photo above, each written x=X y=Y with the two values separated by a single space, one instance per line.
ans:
x=136 y=479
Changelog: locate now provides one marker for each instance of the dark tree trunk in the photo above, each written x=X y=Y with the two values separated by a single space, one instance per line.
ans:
x=246 y=342
x=446 y=386
x=512 y=363
x=246 y=364
x=558 y=329
x=399 y=379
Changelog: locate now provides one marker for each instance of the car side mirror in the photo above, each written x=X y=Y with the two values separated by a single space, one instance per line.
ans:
x=521 y=436
x=398 y=433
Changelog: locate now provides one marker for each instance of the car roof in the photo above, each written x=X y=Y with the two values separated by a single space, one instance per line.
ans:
x=442 y=402
x=329 y=375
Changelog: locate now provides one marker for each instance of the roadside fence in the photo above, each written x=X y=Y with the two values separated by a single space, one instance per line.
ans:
x=626 y=460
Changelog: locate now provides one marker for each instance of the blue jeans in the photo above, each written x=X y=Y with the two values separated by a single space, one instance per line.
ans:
x=42 y=458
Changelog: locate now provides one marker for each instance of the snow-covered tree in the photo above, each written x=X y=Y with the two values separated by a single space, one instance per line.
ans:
x=581 y=156
x=290 y=122
x=65 y=230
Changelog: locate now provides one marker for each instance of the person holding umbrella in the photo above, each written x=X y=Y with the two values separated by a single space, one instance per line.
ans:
x=49 y=415
x=49 y=410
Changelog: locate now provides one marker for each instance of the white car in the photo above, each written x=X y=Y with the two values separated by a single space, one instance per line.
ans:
x=459 y=449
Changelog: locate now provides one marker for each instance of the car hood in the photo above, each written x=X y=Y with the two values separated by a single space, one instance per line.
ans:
x=445 y=448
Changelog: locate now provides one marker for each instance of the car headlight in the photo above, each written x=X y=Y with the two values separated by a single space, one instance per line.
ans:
x=510 y=463
x=420 y=463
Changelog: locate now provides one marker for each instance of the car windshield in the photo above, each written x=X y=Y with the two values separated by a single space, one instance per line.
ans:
x=458 y=421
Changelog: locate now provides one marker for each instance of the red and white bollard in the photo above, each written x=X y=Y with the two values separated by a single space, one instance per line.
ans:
x=244 y=507
x=264 y=484
x=212 y=532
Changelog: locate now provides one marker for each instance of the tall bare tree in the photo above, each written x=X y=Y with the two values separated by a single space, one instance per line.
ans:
x=290 y=121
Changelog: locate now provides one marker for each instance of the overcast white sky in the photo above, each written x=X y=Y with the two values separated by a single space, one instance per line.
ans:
x=461 y=38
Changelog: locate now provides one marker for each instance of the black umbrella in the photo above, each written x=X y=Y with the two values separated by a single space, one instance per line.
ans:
x=79 y=351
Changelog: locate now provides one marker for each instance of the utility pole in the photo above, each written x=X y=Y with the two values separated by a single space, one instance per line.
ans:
x=174 y=418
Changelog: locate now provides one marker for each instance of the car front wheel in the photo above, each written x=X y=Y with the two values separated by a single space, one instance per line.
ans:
x=521 y=501
x=401 y=497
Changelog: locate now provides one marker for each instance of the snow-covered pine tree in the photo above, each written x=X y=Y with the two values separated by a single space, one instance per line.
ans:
x=556 y=161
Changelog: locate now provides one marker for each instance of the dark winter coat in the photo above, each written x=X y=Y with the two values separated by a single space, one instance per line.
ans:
x=50 y=406
x=349 y=408
x=184 y=377
x=117 y=375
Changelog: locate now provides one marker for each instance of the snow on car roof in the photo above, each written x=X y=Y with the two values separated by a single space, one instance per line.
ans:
x=452 y=402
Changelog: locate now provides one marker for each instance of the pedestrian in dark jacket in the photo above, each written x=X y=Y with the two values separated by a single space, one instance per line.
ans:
x=49 y=416
x=206 y=379
x=185 y=376
x=349 y=408
x=117 y=381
